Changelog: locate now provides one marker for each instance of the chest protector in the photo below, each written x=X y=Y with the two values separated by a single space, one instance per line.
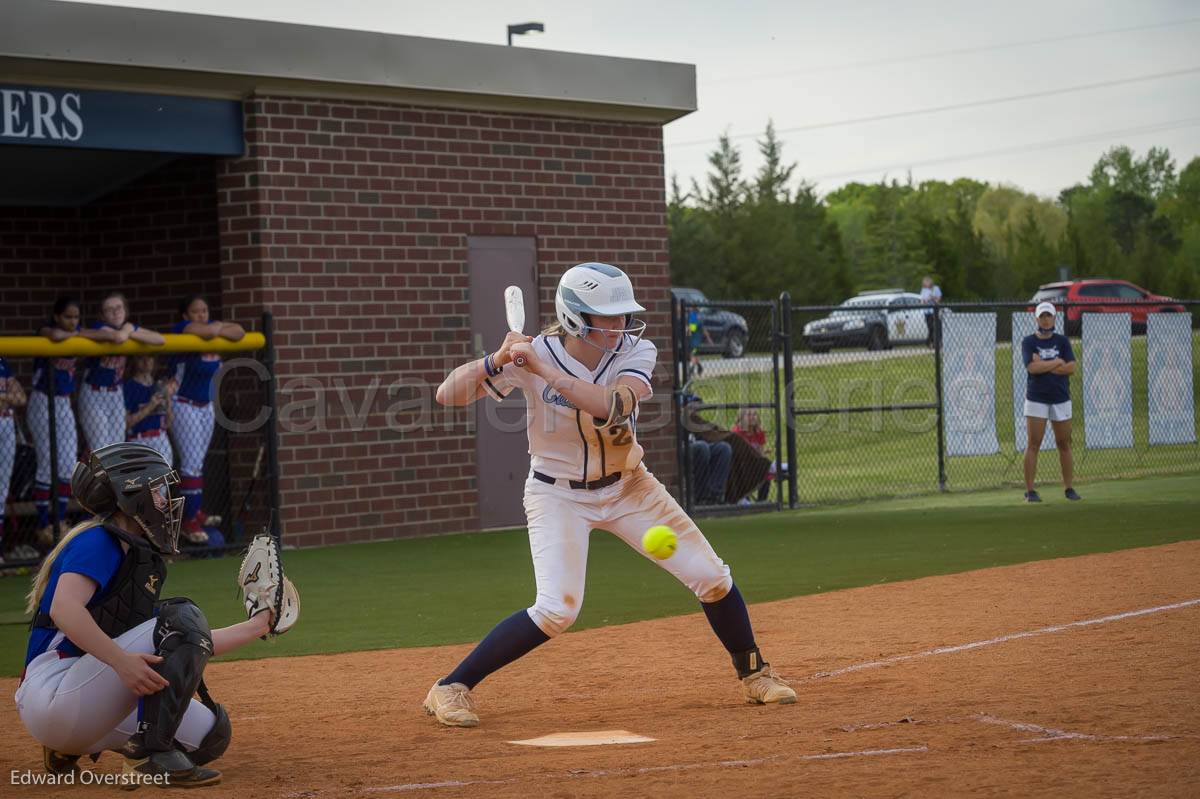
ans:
x=130 y=596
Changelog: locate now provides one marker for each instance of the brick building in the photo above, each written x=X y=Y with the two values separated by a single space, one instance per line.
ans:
x=379 y=188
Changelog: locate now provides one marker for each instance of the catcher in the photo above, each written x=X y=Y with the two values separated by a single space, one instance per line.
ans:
x=110 y=665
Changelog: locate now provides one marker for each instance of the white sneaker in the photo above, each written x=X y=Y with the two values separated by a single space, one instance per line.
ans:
x=452 y=704
x=765 y=687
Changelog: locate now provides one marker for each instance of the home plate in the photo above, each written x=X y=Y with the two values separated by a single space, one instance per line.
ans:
x=596 y=738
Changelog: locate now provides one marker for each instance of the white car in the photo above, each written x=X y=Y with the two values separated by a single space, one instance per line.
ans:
x=874 y=319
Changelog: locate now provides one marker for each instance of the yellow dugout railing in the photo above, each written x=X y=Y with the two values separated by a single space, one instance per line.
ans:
x=77 y=346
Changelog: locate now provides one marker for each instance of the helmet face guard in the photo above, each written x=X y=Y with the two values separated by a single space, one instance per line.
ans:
x=634 y=328
x=158 y=508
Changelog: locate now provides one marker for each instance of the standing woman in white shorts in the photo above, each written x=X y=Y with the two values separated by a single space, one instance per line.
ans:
x=1049 y=362
x=583 y=379
x=101 y=401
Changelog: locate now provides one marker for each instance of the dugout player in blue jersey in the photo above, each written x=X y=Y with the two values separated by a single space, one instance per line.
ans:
x=192 y=406
x=56 y=377
x=101 y=404
x=148 y=407
x=1049 y=363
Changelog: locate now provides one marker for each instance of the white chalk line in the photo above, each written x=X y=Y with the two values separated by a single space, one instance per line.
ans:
x=1052 y=734
x=949 y=650
x=631 y=772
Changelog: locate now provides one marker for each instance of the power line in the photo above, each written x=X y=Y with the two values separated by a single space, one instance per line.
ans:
x=1013 y=150
x=940 y=109
x=945 y=53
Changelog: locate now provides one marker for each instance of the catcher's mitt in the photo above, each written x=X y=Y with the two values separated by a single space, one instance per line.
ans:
x=264 y=587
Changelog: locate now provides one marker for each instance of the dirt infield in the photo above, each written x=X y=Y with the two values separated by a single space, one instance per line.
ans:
x=1080 y=680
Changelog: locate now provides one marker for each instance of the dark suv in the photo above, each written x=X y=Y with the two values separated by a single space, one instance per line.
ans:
x=721 y=331
x=1102 y=295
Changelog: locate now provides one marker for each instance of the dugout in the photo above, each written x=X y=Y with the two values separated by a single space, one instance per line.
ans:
x=373 y=192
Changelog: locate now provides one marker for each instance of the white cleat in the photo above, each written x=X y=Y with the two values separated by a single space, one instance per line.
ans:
x=765 y=687
x=453 y=706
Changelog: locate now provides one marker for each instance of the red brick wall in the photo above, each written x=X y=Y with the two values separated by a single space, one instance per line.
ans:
x=350 y=222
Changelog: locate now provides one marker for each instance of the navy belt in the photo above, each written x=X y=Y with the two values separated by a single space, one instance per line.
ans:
x=600 y=482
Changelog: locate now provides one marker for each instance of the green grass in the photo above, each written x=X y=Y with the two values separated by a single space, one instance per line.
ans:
x=453 y=589
x=844 y=457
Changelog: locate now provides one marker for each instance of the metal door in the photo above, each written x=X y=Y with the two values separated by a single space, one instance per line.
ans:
x=501 y=446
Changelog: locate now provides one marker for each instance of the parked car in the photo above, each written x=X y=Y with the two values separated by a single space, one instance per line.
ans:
x=722 y=331
x=1103 y=295
x=874 y=319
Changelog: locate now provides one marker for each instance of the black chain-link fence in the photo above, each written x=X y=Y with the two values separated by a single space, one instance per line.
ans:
x=891 y=397
x=727 y=387
x=210 y=415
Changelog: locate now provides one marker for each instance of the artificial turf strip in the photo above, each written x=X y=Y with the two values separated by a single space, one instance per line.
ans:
x=452 y=589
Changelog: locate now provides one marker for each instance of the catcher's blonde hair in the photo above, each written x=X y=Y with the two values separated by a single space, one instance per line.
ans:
x=43 y=573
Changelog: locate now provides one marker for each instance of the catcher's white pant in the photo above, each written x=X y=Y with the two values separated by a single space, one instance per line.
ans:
x=64 y=433
x=192 y=428
x=561 y=518
x=78 y=706
x=8 y=452
x=101 y=416
x=160 y=442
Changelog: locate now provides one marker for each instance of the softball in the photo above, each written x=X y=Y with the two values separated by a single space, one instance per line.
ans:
x=660 y=541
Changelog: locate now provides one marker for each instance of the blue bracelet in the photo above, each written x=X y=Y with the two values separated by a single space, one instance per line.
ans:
x=489 y=366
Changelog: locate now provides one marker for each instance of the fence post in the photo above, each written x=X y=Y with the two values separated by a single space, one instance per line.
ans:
x=679 y=365
x=941 y=399
x=785 y=310
x=52 y=416
x=776 y=347
x=268 y=324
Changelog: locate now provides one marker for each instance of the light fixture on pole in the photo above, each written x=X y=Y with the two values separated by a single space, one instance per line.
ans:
x=523 y=28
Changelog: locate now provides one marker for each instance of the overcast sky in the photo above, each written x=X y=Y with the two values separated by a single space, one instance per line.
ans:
x=805 y=64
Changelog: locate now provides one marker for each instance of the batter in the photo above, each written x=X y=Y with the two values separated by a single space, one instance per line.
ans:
x=582 y=381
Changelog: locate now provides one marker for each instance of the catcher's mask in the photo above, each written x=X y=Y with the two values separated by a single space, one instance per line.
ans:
x=134 y=479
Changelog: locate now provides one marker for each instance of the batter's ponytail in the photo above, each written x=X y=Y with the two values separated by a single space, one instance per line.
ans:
x=555 y=328
x=34 y=597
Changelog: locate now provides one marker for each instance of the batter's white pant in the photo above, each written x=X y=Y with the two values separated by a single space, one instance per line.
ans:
x=561 y=518
x=101 y=416
x=161 y=443
x=64 y=432
x=79 y=706
x=192 y=429
x=8 y=452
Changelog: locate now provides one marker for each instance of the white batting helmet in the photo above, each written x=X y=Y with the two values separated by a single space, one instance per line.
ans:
x=598 y=290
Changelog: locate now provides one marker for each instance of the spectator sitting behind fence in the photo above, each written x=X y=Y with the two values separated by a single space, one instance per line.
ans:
x=1050 y=362
x=711 y=456
x=101 y=403
x=192 y=409
x=749 y=427
x=11 y=396
x=56 y=376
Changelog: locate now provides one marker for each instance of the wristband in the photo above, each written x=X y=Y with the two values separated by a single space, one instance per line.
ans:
x=489 y=366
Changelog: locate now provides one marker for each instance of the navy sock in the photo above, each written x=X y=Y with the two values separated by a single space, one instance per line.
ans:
x=731 y=621
x=510 y=639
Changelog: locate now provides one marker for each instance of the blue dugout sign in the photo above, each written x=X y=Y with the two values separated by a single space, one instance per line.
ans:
x=103 y=120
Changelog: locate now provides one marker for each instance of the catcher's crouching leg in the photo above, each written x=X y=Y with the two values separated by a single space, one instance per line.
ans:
x=217 y=740
x=183 y=640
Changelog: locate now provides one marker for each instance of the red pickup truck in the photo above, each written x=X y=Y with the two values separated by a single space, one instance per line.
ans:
x=1103 y=295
